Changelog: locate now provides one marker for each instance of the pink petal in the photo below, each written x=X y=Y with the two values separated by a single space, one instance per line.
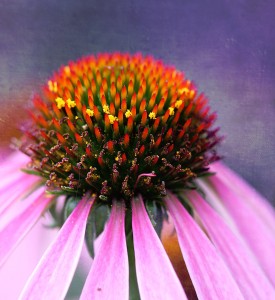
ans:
x=53 y=274
x=109 y=275
x=13 y=232
x=210 y=276
x=13 y=162
x=252 y=281
x=8 y=181
x=17 y=192
x=216 y=203
x=10 y=172
x=21 y=263
x=15 y=157
x=250 y=224
x=155 y=274
x=257 y=201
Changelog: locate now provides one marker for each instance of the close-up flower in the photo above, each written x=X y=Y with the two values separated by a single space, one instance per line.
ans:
x=120 y=153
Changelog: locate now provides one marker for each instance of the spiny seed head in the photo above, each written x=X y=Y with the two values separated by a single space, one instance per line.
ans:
x=117 y=125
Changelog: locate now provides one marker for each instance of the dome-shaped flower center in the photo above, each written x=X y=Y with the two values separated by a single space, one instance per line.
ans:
x=117 y=125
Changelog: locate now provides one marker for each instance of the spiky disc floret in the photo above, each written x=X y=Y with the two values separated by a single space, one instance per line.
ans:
x=120 y=124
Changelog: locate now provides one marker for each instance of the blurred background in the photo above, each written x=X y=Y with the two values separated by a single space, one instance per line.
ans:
x=226 y=47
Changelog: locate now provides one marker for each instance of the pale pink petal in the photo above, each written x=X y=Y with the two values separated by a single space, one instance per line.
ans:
x=155 y=275
x=251 y=226
x=14 y=157
x=209 y=274
x=21 y=263
x=13 y=162
x=12 y=233
x=16 y=192
x=109 y=275
x=257 y=201
x=211 y=196
x=53 y=274
x=251 y=279
x=7 y=181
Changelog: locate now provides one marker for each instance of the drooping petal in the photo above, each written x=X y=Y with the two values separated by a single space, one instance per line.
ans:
x=23 y=260
x=13 y=160
x=214 y=200
x=109 y=275
x=251 y=279
x=256 y=200
x=156 y=277
x=10 y=172
x=13 y=232
x=53 y=274
x=8 y=180
x=12 y=163
x=16 y=192
x=209 y=274
x=249 y=223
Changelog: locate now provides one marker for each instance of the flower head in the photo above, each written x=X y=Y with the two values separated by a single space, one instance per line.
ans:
x=120 y=125
x=120 y=145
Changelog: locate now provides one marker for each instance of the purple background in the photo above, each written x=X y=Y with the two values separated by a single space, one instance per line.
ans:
x=226 y=47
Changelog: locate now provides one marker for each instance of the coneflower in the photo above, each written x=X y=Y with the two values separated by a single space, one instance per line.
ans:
x=118 y=146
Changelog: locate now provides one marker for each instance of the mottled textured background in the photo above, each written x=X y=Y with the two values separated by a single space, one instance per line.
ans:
x=226 y=47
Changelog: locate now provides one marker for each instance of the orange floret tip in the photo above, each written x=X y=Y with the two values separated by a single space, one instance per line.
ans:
x=113 y=90
x=98 y=134
x=123 y=92
x=130 y=124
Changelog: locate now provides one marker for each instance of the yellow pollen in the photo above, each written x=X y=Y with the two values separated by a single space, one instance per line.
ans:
x=184 y=90
x=171 y=111
x=70 y=103
x=55 y=86
x=106 y=109
x=59 y=102
x=192 y=94
x=52 y=86
x=152 y=115
x=116 y=159
x=128 y=113
x=76 y=117
x=178 y=103
x=67 y=70
x=112 y=119
x=89 y=112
